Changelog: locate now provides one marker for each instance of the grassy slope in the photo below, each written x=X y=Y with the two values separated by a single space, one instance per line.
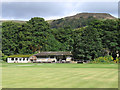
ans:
x=79 y=20
x=60 y=75
x=17 y=21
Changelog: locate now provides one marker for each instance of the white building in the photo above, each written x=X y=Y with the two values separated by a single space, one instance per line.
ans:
x=19 y=59
x=42 y=57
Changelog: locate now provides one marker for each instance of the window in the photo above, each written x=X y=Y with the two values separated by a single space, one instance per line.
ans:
x=12 y=59
x=19 y=59
x=26 y=59
x=23 y=59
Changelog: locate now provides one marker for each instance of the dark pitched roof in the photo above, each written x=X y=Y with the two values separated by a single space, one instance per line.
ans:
x=53 y=53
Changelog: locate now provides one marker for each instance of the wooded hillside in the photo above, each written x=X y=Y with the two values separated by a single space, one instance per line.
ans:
x=88 y=41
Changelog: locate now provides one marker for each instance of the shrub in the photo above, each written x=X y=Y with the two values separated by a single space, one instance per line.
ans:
x=105 y=59
x=4 y=57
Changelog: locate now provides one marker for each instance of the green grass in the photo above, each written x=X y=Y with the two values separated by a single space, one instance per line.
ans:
x=0 y=76
x=59 y=75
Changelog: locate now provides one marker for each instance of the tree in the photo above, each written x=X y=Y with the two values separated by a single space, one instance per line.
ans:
x=65 y=37
x=9 y=38
x=118 y=36
x=42 y=35
x=88 y=44
x=109 y=33
x=28 y=38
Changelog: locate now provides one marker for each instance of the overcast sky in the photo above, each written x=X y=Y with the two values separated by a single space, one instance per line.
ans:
x=54 y=10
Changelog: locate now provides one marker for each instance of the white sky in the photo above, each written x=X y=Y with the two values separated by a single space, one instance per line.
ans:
x=60 y=0
x=54 y=9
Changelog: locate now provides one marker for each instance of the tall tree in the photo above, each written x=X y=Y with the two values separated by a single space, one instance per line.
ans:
x=27 y=38
x=9 y=38
x=88 y=44
x=65 y=37
x=42 y=35
x=109 y=33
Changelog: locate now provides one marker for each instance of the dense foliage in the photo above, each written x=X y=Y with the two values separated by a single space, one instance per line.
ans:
x=28 y=37
x=89 y=41
x=0 y=35
x=98 y=38
x=65 y=37
x=105 y=59
x=88 y=45
x=109 y=33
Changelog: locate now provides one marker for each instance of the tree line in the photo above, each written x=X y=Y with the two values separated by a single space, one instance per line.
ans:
x=98 y=38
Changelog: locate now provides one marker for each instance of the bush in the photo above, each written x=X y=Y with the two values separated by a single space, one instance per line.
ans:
x=105 y=59
x=4 y=57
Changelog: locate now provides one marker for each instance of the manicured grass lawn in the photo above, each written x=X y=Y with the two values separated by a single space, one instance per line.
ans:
x=0 y=76
x=60 y=75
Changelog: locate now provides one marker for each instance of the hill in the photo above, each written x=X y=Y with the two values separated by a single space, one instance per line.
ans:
x=17 y=21
x=78 y=20
x=94 y=15
x=75 y=21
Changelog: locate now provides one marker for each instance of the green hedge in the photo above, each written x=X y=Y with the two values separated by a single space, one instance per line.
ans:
x=105 y=59
x=20 y=55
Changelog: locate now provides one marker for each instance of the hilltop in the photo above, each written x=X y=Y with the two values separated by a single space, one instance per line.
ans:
x=78 y=20
x=94 y=15
x=75 y=21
